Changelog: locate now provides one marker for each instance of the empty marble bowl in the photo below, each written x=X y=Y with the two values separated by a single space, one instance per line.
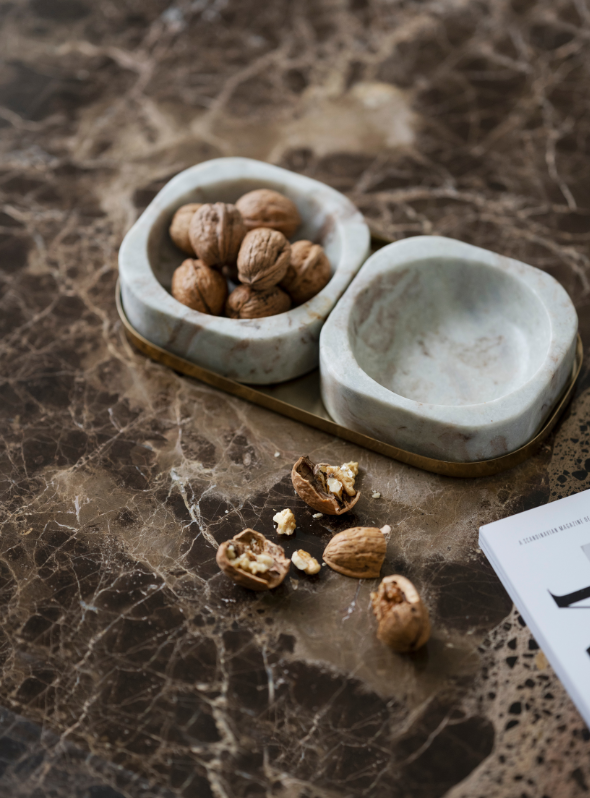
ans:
x=258 y=351
x=447 y=350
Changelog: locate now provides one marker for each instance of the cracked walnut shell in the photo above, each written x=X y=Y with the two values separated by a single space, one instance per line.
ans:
x=357 y=552
x=264 y=207
x=180 y=225
x=308 y=272
x=199 y=287
x=216 y=232
x=263 y=258
x=328 y=489
x=246 y=303
x=252 y=561
x=404 y=623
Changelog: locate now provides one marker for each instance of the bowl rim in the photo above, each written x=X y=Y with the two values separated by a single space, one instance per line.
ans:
x=560 y=310
x=138 y=276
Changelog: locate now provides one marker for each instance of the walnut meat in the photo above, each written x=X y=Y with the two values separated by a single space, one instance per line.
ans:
x=308 y=272
x=180 y=225
x=216 y=232
x=305 y=562
x=404 y=624
x=328 y=489
x=357 y=552
x=267 y=208
x=246 y=303
x=199 y=287
x=263 y=258
x=253 y=561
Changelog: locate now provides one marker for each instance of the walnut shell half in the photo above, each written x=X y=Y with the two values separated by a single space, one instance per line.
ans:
x=264 y=207
x=357 y=552
x=404 y=623
x=180 y=225
x=252 y=561
x=199 y=287
x=308 y=272
x=263 y=258
x=310 y=483
x=246 y=303
x=216 y=232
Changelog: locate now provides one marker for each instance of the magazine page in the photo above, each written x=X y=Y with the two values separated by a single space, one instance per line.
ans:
x=543 y=558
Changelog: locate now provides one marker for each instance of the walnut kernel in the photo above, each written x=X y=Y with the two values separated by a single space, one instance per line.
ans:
x=285 y=521
x=404 y=623
x=328 y=489
x=253 y=561
x=305 y=562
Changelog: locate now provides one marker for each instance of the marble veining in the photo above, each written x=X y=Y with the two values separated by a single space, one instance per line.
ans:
x=447 y=350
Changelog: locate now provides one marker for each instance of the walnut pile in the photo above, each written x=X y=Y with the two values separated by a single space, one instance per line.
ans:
x=247 y=244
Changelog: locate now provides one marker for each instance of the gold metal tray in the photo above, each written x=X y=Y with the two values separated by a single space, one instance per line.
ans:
x=301 y=400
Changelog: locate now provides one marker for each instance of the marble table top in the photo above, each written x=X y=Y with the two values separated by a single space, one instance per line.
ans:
x=130 y=666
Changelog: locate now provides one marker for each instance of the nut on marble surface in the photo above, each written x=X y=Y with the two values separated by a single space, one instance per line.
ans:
x=303 y=560
x=308 y=271
x=199 y=287
x=310 y=481
x=264 y=207
x=216 y=232
x=252 y=561
x=357 y=552
x=179 y=227
x=404 y=622
x=247 y=303
x=263 y=258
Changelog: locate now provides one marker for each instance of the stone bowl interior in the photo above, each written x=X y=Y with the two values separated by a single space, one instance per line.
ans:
x=164 y=257
x=449 y=331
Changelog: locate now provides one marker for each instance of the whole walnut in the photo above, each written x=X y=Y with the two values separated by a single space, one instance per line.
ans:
x=263 y=258
x=199 y=287
x=180 y=224
x=308 y=272
x=216 y=232
x=267 y=208
x=246 y=303
x=404 y=623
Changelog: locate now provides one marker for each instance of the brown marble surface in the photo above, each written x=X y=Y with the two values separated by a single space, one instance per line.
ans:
x=131 y=667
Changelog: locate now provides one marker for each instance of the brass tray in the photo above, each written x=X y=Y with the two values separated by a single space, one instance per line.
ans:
x=301 y=400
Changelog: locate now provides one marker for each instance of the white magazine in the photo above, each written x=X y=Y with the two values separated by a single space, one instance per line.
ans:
x=542 y=557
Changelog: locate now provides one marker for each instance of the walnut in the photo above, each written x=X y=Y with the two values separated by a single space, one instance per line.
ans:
x=246 y=303
x=216 y=232
x=263 y=258
x=308 y=272
x=267 y=208
x=199 y=287
x=403 y=619
x=180 y=225
x=358 y=552
x=328 y=489
x=305 y=562
x=253 y=561
x=285 y=521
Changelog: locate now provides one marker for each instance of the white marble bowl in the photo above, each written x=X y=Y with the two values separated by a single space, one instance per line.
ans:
x=447 y=350
x=258 y=351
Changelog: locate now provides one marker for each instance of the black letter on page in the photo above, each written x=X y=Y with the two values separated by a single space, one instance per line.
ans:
x=572 y=598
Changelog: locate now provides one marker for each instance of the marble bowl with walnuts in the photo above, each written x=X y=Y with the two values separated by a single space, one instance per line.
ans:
x=260 y=351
